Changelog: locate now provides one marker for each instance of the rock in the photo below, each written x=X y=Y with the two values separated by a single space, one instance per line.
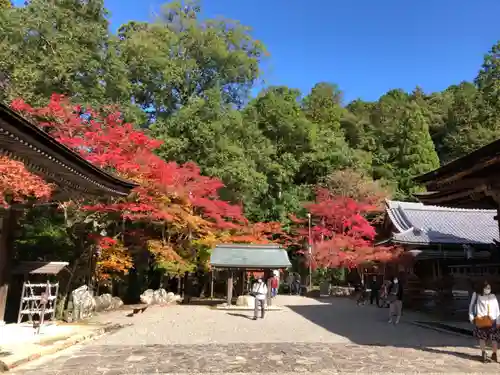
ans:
x=147 y=297
x=83 y=303
x=106 y=302
x=160 y=296
x=171 y=297
x=103 y=302
x=246 y=301
x=116 y=303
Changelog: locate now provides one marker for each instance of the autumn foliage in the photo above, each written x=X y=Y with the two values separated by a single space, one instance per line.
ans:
x=175 y=214
x=17 y=184
x=112 y=257
x=179 y=208
x=341 y=234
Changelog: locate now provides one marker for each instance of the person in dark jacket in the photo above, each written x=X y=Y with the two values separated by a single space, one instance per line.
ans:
x=189 y=288
x=374 y=290
x=297 y=283
x=395 y=297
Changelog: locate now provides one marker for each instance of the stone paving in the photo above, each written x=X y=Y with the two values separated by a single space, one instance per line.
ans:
x=306 y=337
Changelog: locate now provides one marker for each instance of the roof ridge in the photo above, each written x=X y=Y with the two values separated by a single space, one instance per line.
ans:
x=447 y=209
x=423 y=207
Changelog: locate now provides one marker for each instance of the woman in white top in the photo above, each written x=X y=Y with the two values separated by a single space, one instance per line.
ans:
x=483 y=313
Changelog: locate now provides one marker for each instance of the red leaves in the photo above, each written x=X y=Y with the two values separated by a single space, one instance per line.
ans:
x=341 y=234
x=167 y=192
x=111 y=144
x=17 y=183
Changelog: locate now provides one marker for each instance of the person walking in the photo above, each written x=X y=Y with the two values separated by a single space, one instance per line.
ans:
x=484 y=313
x=298 y=284
x=274 y=286
x=395 y=297
x=289 y=283
x=374 y=291
x=259 y=291
x=188 y=288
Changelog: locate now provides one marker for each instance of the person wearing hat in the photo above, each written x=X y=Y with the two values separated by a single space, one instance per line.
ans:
x=259 y=291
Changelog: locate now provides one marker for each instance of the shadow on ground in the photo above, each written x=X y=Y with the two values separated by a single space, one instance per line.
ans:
x=203 y=302
x=368 y=325
x=239 y=315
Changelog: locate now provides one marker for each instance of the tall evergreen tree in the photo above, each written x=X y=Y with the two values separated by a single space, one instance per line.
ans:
x=413 y=153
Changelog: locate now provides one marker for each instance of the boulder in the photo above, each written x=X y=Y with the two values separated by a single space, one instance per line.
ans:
x=171 y=297
x=103 y=302
x=116 y=303
x=83 y=303
x=160 y=296
x=246 y=301
x=147 y=297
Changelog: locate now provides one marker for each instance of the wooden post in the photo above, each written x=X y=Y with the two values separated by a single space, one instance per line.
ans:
x=6 y=227
x=212 y=284
x=497 y=218
x=269 y=299
x=243 y=281
x=229 y=287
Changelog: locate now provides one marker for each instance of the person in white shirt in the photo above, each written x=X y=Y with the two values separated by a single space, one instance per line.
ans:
x=259 y=291
x=484 y=313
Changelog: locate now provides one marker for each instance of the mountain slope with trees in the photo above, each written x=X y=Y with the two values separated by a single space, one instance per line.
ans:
x=185 y=81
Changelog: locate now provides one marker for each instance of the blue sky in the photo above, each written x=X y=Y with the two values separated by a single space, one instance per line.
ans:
x=365 y=46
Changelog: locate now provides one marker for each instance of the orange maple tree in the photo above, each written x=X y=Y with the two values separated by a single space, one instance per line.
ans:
x=17 y=184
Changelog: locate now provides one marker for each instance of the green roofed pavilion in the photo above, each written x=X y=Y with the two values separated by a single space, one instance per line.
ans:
x=249 y=257
x=242 y=258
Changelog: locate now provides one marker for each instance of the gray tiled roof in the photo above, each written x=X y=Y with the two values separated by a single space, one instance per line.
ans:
x=249 y=256
x=420 y=224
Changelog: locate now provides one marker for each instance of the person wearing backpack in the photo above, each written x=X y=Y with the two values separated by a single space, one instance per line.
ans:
x=259 y=291
x=484 y=313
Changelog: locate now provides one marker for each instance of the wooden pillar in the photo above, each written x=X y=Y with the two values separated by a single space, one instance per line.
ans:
x=269 y=299
x=229 y=287
x=497 y=218
x=243 y=281
x=212 y=284
x=6 y=228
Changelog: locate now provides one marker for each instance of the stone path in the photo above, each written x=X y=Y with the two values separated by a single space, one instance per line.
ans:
x=306 y=337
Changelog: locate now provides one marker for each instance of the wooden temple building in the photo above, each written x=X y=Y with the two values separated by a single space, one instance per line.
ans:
x=441 y=239
x=472 y=181
x=453 y=233
x=72 y=175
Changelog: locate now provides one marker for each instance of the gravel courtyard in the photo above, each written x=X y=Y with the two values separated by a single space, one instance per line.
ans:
x=308 y=336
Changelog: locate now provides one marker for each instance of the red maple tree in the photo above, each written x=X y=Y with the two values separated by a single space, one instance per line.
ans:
x=341 y=236
x=180 y=206
x=110 y=143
